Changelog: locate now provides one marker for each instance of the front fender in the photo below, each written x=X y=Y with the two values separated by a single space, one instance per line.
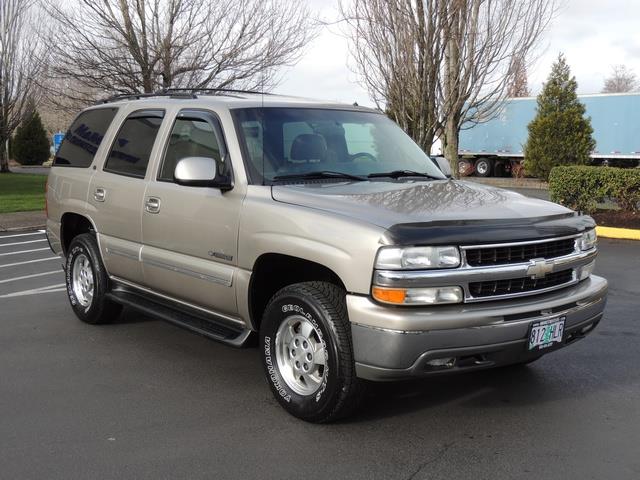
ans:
x=346 y=247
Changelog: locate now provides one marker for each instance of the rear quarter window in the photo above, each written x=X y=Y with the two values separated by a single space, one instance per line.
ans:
x=83 y=138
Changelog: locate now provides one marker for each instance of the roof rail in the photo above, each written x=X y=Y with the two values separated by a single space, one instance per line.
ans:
x=214 y=90
x=138 y=96
x=177 y=93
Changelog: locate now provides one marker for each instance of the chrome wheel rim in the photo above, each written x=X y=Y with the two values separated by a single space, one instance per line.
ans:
x=301 y=355
x=83 y=281
x=482 y=168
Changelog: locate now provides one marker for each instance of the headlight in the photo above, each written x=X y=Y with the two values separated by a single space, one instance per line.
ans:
x=588 y=239
x=418 y=296
x=416 y=258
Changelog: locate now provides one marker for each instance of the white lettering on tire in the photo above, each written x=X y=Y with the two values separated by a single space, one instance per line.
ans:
x=70 y=256
x=272 y=371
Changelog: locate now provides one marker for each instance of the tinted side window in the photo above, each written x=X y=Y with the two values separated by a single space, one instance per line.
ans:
x=131 y=149
x=190 y=137
x=83 y=138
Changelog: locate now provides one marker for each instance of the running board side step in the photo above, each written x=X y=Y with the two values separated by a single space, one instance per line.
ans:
x=210 y=326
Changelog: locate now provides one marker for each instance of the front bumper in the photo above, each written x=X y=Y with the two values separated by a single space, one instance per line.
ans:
x=397 y=342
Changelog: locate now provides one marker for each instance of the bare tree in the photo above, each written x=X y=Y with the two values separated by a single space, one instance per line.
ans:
x=397 y=48
x=132 y=46
x=484 y=39
x=439 y=65
x=621 y=80
x=20 y=66
x=519 y=84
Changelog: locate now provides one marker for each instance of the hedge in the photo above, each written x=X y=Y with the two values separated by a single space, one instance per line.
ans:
x=583 y=187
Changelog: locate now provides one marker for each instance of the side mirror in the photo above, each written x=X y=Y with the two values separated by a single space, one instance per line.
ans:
x=200 y=172
x=443 y=165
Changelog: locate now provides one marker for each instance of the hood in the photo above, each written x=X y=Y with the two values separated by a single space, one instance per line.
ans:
x=411 y=209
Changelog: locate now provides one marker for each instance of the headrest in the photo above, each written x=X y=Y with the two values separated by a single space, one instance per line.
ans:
x=308 y=146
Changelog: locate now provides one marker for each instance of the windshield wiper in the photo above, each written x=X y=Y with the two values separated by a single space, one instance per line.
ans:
x=402 y=173
x=319 y=175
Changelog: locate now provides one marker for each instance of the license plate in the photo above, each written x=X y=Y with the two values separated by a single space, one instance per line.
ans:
x=546 y=333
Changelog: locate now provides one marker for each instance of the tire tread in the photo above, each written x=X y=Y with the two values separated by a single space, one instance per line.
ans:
x=332 y=299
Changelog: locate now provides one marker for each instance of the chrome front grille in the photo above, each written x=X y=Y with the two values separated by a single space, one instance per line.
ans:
x=519 y=285
x=502 y=255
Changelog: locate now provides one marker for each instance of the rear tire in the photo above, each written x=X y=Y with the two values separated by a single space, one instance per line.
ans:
x=307 y=352
x=88 y=283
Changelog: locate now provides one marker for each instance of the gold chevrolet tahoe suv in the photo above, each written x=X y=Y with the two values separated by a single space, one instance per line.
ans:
x=321 y=231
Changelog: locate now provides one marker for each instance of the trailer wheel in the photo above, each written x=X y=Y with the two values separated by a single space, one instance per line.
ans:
x=483 y=167
x=465 y=168
x=500 y=170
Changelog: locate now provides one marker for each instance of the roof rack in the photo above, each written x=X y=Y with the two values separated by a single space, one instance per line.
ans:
x=214 y=90
x=177 y=93
x=138 y=96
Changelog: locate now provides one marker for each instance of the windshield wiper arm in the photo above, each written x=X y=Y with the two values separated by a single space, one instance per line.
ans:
x=402 y=173
x=319 y=175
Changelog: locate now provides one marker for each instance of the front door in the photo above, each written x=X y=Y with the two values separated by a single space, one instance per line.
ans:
x=190 y=234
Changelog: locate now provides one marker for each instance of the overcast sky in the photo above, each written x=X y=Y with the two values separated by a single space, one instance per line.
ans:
x=593 y=34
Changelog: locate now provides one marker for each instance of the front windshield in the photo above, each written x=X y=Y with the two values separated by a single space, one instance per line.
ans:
x=284 y=142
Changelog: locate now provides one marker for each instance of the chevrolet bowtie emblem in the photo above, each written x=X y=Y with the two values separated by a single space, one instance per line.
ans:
x=539 y=267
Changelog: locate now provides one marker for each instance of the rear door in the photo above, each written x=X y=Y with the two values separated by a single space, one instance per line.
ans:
x=190 y=234
x=70 y=177
x=117 y=190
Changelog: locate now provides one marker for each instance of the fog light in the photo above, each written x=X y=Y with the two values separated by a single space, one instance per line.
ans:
x=587 y=329
x=447 y=362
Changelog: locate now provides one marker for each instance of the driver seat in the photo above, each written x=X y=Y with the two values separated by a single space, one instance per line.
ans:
x=308 y=148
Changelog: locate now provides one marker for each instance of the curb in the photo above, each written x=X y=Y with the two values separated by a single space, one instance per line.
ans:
x=21 y=221
x=23 y=228
x=619 y=233
x=509 y=182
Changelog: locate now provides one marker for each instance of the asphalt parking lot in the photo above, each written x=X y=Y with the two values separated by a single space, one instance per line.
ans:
x=143 y=399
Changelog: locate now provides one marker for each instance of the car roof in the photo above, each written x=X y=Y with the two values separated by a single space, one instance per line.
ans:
x=231 y=99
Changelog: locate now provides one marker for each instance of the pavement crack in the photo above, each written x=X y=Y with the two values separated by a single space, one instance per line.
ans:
x=438 y=456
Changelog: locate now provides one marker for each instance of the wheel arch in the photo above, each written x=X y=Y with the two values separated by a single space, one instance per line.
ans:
x=73 y=224
x=273 y=271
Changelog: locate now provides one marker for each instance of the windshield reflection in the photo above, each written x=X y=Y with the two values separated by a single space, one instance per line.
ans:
x=290 y=142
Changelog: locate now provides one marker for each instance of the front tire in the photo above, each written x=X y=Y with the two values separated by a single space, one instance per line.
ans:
x=307 y=353
x=88 y=283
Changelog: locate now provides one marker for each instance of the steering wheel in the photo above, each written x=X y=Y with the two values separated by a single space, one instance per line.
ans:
x=364 y=155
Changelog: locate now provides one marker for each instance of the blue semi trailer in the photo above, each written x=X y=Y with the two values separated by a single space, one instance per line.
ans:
x=495 y=147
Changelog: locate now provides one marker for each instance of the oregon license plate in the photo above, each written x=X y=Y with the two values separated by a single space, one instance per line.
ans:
x=546 y=333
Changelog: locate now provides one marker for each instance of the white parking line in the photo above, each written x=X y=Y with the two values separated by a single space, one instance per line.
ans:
x=24 y=251
x=29 y=261
x=22 y=243
x=39 y=232
x=35 y=291
x=24 y=277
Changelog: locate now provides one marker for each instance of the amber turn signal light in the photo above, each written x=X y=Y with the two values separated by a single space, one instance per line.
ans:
x=389 y=295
